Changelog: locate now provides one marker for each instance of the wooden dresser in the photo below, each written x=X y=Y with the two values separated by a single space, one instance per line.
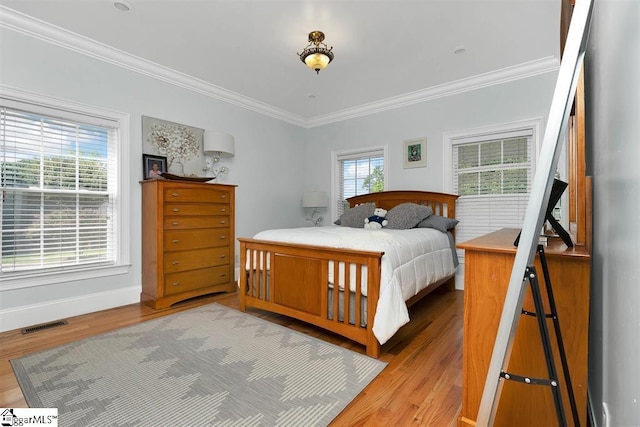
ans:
x=488 y=265
x=187 y=240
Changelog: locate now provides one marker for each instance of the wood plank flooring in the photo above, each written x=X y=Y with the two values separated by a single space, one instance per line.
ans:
x=421 y=385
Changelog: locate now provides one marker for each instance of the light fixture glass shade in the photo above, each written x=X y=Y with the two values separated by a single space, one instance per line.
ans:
x=317 y=61
x=315 y=199
x=219 y=143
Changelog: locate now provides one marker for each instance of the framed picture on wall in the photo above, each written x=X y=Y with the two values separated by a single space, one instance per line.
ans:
x=153 y=166
x=415 y=153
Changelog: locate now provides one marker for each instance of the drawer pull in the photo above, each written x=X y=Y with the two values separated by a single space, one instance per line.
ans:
x=175 y=194
x=223 y=237
x=176 y=209
x=223 y=256
x=223 y=196
x=223 y=274
x=175 y=284
x=175 y=241
x=223 y=210
x=175 y=223
x=223 y=222
x=175 y=262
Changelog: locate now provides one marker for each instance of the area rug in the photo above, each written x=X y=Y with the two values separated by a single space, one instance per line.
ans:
x=208 y=366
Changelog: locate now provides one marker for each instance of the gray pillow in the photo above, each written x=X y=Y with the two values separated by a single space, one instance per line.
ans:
x=355 y=216
x=407 y=215
x=438 y=222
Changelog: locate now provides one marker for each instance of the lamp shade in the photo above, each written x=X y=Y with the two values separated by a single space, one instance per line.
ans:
x=317 y=61
x=315 y=199
x=220 y=143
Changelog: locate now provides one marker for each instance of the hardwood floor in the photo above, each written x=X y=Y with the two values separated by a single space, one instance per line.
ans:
x=421 y=385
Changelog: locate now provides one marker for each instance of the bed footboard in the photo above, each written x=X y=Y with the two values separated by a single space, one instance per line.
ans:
x=296 y=281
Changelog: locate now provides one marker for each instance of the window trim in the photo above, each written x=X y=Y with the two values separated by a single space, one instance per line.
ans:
x=532 y=126
x=123 y=206
x=353 y=152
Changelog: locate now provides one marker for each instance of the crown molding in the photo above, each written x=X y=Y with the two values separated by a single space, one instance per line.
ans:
x=61 y=37
x=504 y=75
x=55 y=35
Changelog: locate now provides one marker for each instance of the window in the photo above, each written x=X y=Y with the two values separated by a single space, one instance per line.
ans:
x=495 y=167
x=60 y=190
x=358 y=173
x=492 y=170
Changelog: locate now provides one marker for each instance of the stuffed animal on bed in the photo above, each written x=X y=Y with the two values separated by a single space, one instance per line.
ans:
x=377 y=220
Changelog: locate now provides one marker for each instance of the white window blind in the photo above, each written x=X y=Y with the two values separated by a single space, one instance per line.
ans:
x=492 y=174
x=59 y=188
x=359 y=172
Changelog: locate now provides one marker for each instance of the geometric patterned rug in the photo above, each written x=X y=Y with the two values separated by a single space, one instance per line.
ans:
x=208 y=366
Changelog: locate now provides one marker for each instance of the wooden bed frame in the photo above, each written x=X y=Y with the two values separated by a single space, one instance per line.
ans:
x=295 y=283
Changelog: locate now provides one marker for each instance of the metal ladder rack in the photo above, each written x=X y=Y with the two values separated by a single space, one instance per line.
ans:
x=553 y=381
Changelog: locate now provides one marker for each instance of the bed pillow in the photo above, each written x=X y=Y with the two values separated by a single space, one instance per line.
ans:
x=355 y=216
x=407 y=215
x=438 y=222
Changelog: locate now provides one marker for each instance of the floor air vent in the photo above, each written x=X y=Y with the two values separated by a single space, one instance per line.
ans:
x=44 y=326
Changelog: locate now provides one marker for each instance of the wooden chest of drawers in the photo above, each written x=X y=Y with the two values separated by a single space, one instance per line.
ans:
x=187 y=240
x=488 y=265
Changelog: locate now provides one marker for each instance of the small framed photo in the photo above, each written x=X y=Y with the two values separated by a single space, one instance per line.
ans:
x=415 y=153
x=153 y=166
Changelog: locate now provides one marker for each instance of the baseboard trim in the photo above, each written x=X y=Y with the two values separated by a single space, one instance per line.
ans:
x=29 y=315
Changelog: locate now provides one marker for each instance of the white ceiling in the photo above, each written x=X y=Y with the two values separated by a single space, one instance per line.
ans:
x=387 y=53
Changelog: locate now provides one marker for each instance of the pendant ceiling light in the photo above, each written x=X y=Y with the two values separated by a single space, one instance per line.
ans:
x=316 y=55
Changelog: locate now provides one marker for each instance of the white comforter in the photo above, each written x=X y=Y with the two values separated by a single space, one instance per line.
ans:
x=413 y=259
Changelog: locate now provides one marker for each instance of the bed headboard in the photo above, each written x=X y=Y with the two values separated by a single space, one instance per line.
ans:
x=441 y=203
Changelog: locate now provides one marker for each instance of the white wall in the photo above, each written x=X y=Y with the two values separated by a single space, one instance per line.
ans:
x=517 y=100
x=268 y=195
x=612 y=89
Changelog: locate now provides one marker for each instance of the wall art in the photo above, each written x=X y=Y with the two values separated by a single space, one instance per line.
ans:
x=180 y=144
x=415 y=153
